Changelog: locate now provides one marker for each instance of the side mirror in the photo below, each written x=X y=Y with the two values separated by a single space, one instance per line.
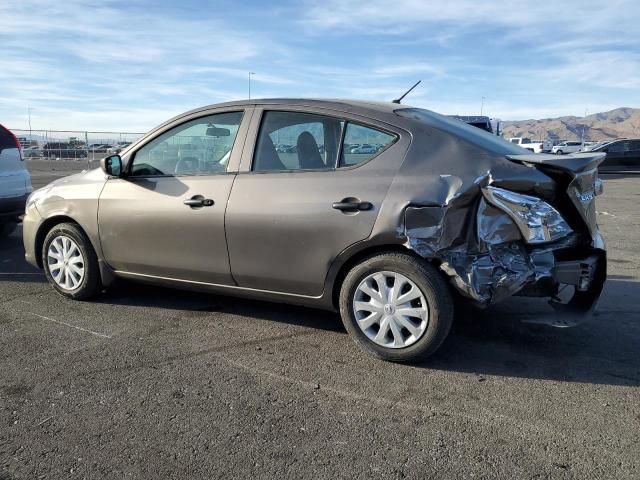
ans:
x=112 y=165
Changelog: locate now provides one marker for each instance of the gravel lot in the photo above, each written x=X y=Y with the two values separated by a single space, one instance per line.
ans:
x=162 y=384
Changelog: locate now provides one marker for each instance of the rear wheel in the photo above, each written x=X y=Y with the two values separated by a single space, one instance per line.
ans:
x=396 y=306
x=70 y=263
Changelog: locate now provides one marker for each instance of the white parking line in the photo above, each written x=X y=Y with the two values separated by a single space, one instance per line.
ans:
x=72 y=326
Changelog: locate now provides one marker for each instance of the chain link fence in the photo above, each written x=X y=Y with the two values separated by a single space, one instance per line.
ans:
x=50 y=154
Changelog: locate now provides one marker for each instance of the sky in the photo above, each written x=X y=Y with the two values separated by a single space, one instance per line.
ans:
x=130 y=65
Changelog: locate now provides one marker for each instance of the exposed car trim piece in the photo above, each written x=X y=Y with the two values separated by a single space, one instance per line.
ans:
x=216 y=285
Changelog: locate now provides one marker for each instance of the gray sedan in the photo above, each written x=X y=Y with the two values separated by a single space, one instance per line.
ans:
x=393 y=238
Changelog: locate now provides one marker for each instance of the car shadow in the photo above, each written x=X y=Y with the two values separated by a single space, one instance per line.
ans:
x=602 y=350
x=140 y=295
x=493 y=342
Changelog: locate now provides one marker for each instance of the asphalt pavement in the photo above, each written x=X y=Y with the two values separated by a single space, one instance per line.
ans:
x=162 y=384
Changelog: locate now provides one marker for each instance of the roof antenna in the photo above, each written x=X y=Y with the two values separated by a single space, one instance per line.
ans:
x=398 y=100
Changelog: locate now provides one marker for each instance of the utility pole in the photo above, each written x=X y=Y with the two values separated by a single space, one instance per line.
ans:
x=481 y=106
x=583 y=124
x=29 y=114
x=250 y=73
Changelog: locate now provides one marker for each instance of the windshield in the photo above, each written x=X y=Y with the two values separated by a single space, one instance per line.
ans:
x=474 y=135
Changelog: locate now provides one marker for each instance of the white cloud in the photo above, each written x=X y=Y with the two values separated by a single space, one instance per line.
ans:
x=86 y=63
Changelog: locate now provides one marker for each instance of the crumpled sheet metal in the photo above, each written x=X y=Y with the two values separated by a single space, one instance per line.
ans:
x=478 y=246
x=501 y=272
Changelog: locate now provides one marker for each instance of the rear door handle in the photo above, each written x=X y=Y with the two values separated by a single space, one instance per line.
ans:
x=352 y=205
x=198 y=201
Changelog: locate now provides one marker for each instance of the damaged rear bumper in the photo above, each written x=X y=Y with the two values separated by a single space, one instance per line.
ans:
x=572 y=277
x=487 y=259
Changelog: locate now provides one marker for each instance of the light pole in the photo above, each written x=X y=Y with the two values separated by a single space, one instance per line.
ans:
x=481 y=106
x=29 y=114
x=250 y=73
x=584 y=125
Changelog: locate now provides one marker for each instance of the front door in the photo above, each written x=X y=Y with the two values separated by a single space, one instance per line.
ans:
x=303 y=202
x=165 y=218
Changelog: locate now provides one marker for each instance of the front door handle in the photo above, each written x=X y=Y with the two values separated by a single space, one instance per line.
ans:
x=198 y=201
x=352 y=205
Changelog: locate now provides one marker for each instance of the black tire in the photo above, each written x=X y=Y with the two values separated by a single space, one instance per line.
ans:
x=429 y=281
x=559 y=152
x=90 y=284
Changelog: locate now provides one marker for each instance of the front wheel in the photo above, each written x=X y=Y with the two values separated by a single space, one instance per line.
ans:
x=559 y=152
x=70 y=262
x=396 y=306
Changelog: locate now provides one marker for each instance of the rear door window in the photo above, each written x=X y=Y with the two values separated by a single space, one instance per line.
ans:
x=363 y=143
x=297 y=141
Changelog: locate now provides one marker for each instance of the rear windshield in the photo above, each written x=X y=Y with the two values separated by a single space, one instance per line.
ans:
x=482 y=139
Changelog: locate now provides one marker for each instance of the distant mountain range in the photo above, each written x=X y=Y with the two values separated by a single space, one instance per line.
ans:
x=621 y=122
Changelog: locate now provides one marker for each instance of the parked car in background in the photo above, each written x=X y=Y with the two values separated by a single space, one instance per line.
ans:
x=364 y=148
x=587 y=146
x=599 y=144
x=120 y=146
x=63 y=150
x=491 y=125
x=15 y=182
x=622 y=155
x=376 y=236
x=535 y=146
x=27 y=142
x=31 y=152
x=99 y=148
x=285 y=148
x=566 y=147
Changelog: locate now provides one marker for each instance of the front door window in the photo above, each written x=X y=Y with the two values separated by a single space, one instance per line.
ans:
x=198 y=147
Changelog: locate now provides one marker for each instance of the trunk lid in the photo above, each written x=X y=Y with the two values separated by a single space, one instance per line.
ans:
x=584 y=185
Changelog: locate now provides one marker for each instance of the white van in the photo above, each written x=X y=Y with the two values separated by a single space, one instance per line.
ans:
x=15 y=182
x=535 y=146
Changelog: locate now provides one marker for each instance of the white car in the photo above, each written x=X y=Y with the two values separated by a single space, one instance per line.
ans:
x=31 y=152
x=587 y=146
x=365 y=148
x=566 y=147
x=15 y=182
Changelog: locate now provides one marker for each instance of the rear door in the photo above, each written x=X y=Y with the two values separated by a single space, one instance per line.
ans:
x=166 y=217
x=293 y=210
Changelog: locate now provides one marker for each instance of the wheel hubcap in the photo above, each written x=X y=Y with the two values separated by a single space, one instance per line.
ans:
x=390 y=309
x=65 y=262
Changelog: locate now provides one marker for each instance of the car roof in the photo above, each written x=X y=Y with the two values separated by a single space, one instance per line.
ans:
x=365 y=108
x=332 y=103
x=384 y=111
